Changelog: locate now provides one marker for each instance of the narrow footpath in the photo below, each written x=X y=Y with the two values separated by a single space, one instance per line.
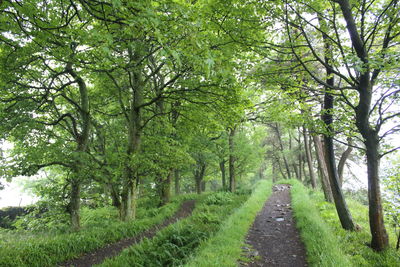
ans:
x=273 y=238
x=111 y=250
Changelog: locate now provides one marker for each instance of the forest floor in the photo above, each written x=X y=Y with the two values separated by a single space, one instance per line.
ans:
x=273 y=238
x=111 y=250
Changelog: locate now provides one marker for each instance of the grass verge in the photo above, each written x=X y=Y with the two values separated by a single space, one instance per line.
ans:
x=322 y=246
x=225 y=248
x=48 y=250
x=355 y=244
x=173 y=245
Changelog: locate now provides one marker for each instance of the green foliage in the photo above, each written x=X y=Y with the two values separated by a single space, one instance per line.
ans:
x=219 y=198
x=391 y=195
x=43 y=219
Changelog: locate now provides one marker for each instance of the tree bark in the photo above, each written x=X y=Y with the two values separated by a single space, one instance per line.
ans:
x=75 y=204
x=279 y=137
x=203 y=186
x=341 y=207
x=274 y=173
x=380 y=239
x=326 y=186
x=223 y=173
x=165 y=190
x=115 y=200
x=199 y=175
x=134 y=120
x=82 y=140
x=232 y=175
x=177 y=182
x=309 y=160
x=343 y=160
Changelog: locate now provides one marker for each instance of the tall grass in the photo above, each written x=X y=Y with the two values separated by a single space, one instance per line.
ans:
x=173 y=245
x=225 y=248
x=41 y=249
x=355 y=244
x=323 y=248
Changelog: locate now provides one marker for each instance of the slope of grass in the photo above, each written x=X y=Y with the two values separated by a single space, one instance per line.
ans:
x=41 y=249
x=355 y=244
x=323 y=248
x=173 y=245
x=225 y=248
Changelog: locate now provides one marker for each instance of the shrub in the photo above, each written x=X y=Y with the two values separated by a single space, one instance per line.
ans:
x=219 y=198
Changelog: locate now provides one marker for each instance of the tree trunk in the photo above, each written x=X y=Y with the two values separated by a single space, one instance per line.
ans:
x=326 y=186
x=343 y=160
x=203 y=186
x=279 y=137
x=128 y=203
x=82 y=140
x=232 y=177
x=165 y=192
x=341 y=207
x=223 y=173
x=115 y=200
x=134 y=121
x=380 y=239
x=199 y=175
x=274 y=173
x=309 y=160
x=177 y=182
x=74 y=205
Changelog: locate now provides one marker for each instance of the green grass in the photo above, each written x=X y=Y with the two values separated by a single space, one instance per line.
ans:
x=225 y=248
x=326 y=242
x=26 y=248
x=323 y=248
x=173 y=245
x=355 y=244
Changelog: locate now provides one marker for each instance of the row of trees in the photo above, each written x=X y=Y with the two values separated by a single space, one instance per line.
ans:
x=126 y=95
x=112 y=96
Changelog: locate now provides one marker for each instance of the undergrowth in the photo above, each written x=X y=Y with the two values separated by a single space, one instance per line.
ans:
x=174 y=244
x=355 y=244
x=322 y=246
x=225 y=248
x=327 y=243
x=99 y=227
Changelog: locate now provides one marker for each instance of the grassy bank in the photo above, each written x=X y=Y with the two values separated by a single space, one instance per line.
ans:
x=25 y=248
x=355 y=244
x=225 y=248
x=173 y=245
x=326 y=242
x=323 y=248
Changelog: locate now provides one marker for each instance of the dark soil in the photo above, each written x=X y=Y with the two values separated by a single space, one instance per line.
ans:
x=273 y=238
x=111 y=250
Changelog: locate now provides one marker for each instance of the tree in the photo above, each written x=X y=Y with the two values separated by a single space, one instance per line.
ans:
x=364 y=69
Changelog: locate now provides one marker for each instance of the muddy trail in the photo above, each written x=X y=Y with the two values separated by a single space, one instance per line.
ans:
x=111 y=250
x=273 y=238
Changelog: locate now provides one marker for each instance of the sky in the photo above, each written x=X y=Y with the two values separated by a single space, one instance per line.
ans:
x=13 y=195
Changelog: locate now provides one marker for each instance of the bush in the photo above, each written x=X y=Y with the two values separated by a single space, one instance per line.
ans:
x=219 y=198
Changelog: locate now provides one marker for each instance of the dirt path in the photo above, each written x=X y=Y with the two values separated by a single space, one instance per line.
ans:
x=273 y=238
x=111 y=250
